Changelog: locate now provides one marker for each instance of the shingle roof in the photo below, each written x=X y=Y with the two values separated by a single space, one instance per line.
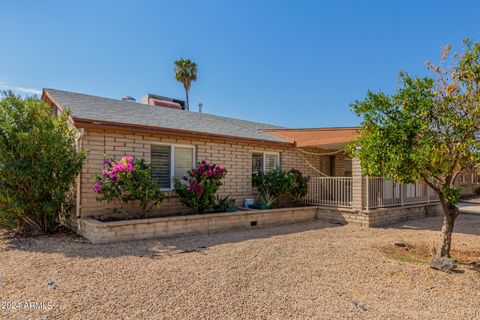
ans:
x=90 y=107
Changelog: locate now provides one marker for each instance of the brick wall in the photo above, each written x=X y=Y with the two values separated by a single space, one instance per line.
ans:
x=105 y=232
x=340 y=166
x=377 y=217
x=235 y=156
x=467 y=182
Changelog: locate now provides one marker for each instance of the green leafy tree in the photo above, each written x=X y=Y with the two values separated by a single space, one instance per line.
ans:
x=38 y=164
x=185 y=73
x=427 y=131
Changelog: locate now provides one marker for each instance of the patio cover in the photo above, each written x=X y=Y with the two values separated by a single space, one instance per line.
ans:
x=328 y=138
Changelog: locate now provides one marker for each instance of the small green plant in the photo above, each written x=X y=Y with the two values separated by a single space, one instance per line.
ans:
x=264 y=201
x=198 y=188
x=224 y=204
x=127 y=181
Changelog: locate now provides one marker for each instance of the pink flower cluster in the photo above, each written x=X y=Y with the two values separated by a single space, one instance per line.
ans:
x=113 y=169
x=194 y=186
x=205 y=171
x=208 y=170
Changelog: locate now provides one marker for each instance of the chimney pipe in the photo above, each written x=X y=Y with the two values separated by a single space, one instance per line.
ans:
x=200 y=105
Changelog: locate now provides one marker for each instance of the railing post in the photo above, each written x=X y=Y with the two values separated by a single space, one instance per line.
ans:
x=357 y=186
x=367 y=193
x=428 y=193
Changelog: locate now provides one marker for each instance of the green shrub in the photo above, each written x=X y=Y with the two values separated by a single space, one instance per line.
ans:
x=198 y=188
x=277 y=183
x=38 y=164
x=299 y=188
x=128 y=180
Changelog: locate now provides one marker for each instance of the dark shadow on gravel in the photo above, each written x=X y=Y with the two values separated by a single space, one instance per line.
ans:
x=465 y=223
x=475 y=199
x=73 y=245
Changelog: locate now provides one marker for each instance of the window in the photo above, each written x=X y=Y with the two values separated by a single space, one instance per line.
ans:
x=169 y=161
x=271 y=161
x=257 y=163
x=264 y=162
x=475 y=178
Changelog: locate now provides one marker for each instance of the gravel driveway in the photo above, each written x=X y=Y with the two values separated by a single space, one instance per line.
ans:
x=305 y=271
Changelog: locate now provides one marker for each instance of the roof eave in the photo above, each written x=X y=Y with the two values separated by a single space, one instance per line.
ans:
x=93 y=123
x=84 y=123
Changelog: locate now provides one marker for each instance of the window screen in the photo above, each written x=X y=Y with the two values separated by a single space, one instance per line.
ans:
x=271 y=162
x=183 y=161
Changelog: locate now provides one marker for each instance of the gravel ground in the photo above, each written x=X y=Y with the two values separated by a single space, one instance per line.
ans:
x=306 y=271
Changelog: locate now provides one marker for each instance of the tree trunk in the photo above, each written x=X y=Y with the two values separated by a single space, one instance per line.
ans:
x=187 y=102
x=450 y=213
x=447 y=230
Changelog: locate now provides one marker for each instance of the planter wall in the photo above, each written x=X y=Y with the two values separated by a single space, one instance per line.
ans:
x=105 y=232
x=377 y=217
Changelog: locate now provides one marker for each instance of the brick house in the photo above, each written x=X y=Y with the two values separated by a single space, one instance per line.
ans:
x=160 y=131
x=173 y=139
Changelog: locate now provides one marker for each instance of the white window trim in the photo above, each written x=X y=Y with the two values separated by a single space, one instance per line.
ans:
x=172 y=158
x=264 y=158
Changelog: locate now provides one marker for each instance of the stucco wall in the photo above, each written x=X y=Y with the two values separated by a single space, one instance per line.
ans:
x=234 y=156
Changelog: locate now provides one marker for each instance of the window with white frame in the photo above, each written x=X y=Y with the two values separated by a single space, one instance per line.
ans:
x=264 y=162
x=169 y=161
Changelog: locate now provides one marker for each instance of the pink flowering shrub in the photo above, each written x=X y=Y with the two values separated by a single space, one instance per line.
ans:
x=128 y=180
x=198 y=188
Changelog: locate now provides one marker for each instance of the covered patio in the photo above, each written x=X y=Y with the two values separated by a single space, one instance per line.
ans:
x=357 y=194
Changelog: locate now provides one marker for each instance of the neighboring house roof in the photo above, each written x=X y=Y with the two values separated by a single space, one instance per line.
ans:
x=107 y=111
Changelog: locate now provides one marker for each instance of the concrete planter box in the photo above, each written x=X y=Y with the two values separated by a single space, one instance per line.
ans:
x=104 y=232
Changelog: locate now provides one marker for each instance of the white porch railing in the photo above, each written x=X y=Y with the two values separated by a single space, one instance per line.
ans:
x=376 y=192
x=330 y=191
x=381 y=193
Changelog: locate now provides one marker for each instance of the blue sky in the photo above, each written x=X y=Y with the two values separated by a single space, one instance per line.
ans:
x=292 y=63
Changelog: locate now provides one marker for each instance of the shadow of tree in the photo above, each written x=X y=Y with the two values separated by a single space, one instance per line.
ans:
x=465 y=223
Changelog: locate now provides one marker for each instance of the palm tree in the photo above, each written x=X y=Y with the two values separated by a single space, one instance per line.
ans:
x=185 y=72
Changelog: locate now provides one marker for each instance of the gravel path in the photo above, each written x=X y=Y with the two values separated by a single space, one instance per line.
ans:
x=305 y=271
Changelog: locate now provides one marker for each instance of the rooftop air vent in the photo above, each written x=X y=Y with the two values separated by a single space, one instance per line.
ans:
x=128 y=98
